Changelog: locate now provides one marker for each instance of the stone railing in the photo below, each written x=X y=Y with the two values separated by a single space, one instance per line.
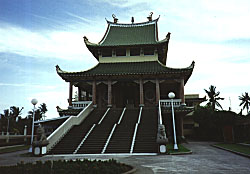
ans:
x=167 y=103
x=80 y=104
x=67 y=125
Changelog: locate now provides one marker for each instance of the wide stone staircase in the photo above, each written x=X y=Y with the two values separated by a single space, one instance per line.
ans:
x=97 y=139
x=122 y=138
x=72 y=139
x=112 y=131
x=146 y=134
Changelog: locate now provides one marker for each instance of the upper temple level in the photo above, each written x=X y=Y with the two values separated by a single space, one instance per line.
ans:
x=134 y=42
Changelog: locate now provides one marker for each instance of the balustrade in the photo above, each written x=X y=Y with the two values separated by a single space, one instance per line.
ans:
x=167 y=103
x=80 y=104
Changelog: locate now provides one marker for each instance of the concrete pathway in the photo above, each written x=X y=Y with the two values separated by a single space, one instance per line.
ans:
x=205 y=159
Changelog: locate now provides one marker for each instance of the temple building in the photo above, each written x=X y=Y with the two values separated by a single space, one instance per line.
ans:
x=130 y=79
x=131 y=69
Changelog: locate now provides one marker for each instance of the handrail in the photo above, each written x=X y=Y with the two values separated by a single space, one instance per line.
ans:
x=67 y=125
x=104 y=116
x=112 y=131
x=133 y=140
x=124 y=109
x=135 y=131
x=139 y=119
x=159 y=112
x=108 y=140
x=83 y=140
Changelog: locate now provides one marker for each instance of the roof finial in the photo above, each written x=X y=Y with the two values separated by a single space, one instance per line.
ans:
x=132 y=20
x=115 y=19
x=150 y=16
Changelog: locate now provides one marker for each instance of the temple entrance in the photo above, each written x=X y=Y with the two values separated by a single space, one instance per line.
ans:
x=126 y=94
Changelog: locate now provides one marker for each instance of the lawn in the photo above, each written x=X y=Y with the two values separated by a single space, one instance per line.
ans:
x=14 y=149
x=236 y=147
x=181 y=149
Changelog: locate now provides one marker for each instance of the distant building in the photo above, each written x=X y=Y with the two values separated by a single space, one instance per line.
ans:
x=192 y=100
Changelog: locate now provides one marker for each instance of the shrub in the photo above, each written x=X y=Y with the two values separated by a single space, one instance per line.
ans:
x=65 y=167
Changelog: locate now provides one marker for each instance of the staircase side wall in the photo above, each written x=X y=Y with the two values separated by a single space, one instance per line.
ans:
x=67 y=125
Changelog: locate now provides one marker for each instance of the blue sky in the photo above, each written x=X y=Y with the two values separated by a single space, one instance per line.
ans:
x=37 y=35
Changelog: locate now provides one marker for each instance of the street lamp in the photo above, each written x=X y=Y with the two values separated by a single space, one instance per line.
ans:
x=34 y=102
x=171 y=95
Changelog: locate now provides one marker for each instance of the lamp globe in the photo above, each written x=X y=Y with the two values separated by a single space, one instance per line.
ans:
x=34 y=101
x=171 y=95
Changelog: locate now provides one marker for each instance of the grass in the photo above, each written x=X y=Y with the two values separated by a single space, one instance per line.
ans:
x=14 y=149
x=181 y=149
x=236 y=148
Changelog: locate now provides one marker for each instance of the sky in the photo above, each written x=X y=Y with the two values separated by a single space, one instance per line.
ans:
x=35 y=36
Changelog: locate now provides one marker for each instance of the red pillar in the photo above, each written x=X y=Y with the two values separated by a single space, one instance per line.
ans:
x=182 y=91
x=94 y=92
x=157 y=88
x=70 y=93
x=109 y=93
x=141 y=93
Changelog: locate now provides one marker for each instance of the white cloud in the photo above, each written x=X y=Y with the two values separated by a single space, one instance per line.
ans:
x=46 y=44
x=199 y=19
x=28 y=85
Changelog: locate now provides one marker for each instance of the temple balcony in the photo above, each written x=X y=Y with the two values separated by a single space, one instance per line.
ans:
x=167 y=103
x=80 y=104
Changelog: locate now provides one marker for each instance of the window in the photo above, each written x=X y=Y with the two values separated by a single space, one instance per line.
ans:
x=149 y=51
x=134 y=51
x=121 y=52
x=107 y=53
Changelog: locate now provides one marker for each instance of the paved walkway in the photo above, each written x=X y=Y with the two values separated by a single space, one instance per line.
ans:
x=205 y=159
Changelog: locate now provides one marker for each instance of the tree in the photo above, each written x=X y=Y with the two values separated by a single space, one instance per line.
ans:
x=43 y=109
x=213 y=97
x=38 y=114
x=245 y=101
x=7 y=115
x=16 y=112
x=9 y=119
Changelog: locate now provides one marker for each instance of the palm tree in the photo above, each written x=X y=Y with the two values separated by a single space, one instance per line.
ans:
x=213 y=97
x=43 y=109
x=7 y=114
x=245 y=101
x=16 y=112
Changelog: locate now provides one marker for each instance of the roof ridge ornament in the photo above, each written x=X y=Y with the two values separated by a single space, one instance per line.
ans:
x=58 y=69
x=132 y=20
x=85 y=38
x=115 y=18
x=150 y=16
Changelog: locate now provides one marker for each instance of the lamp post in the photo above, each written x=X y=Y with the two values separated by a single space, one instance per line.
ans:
x=171 y=95
x=34 y=102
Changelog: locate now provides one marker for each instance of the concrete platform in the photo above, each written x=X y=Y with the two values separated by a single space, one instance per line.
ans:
x=204 y=159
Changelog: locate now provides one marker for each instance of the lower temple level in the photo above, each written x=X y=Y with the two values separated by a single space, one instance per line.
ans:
x=117 y=130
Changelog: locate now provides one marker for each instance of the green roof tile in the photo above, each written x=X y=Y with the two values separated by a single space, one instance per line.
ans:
x=130 y=35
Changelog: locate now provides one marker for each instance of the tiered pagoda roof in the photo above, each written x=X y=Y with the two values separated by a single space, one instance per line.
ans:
x=115 y=70
x=129 y=35
x=140 y=35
